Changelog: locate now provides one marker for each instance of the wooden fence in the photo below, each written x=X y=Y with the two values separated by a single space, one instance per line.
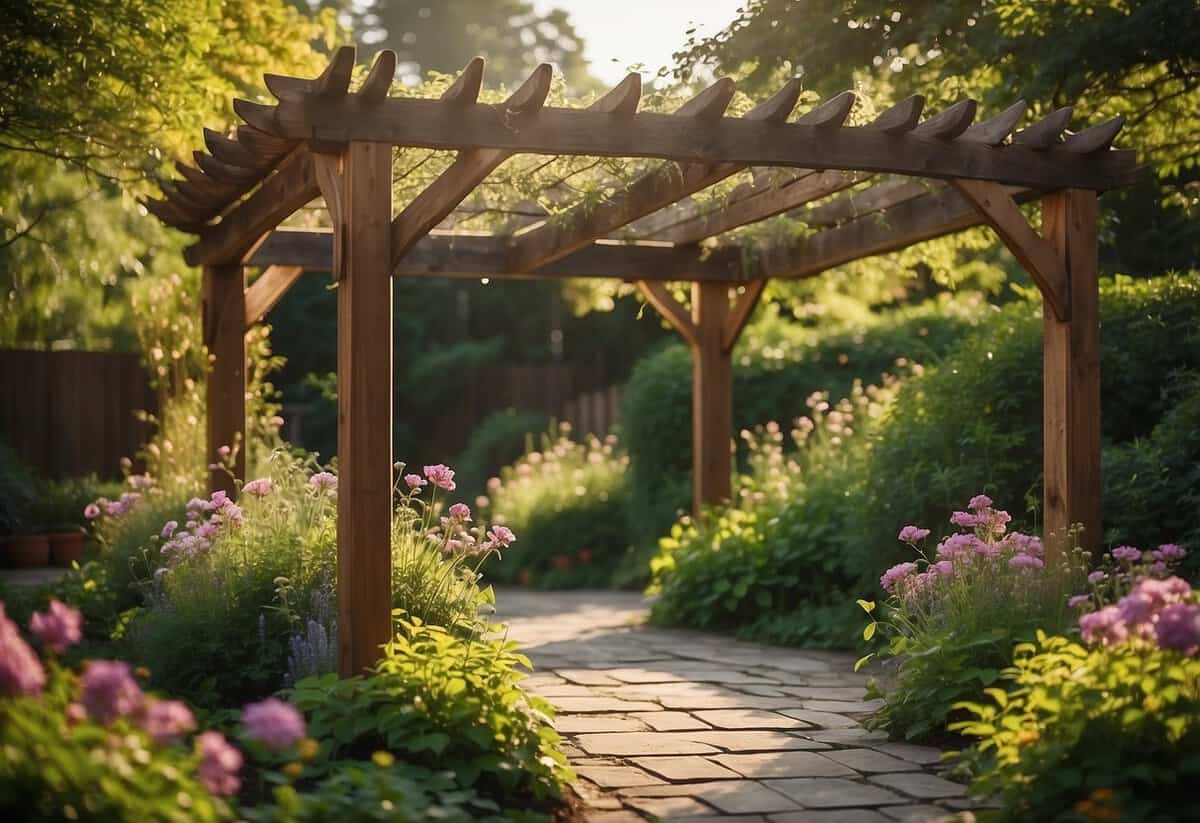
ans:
x=69 y=413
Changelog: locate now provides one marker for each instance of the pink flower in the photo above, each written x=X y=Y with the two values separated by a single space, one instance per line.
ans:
x=21 y=673
x=502 y=536
x=958 y=546
x=91 y=511
x=1126 y=554
x=966 y=520
x=979 y=501
x=912 y=534
x=325 y=482
x=109 y=691
x=1169 y=551
x=275 y=724
x=1104 y=626
x=223 y=452
x=261 y=487
x=219 y=764
x=943 y=567
x=441 y=476
x=1027 y=544
x=1097 y=577
x=59 y=627
x=415 y=481
x=167 y=720
x=460 y=511
x=168 y=529
x=896 y=574
x=1178 y=628
x=1079 y=601
x=1025 y=561
x=1159 y=567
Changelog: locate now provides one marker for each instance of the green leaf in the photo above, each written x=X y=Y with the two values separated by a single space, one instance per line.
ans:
x=862 y=661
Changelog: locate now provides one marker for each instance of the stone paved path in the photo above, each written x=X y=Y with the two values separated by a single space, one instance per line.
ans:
x=675 y=725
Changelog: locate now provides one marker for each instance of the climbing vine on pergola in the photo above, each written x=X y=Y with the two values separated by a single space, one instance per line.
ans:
x=321 y=140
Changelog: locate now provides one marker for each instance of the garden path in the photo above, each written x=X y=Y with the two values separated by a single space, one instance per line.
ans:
x=673 y=725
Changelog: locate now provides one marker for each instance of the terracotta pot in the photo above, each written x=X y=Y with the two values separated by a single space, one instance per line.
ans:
x=66 y=547
x=27 y=551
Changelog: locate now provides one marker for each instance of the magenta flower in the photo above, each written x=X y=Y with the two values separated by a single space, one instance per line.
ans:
x=261 y=487
x=958 y=546
x=502 y=536
x=1025 y=561
x=1126 y=554
x=324 y=482
x=167 y=720
x=441 y=476
x=1104 y=626
x=1097 y=577
x=275 y=724
x=91 y=511
x=1079 y=601
x=896 y=574
x=168 y=529
x=912 y=534
x=219 y=764
x=59 y=627
x=1028 y=544
x=223 y=452
x=967 y=520
x=415 y=481
x=943 y=567
x=21 y=672
x=1178 y=628
x=978 y=502
x=461 y=511
x=109 y=691
x=1168 y=552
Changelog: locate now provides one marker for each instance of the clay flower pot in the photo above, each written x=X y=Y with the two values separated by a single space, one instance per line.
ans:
x=66 y=547
x=27 y=551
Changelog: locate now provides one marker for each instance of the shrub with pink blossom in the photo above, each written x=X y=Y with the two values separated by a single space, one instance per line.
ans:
x=954 y=613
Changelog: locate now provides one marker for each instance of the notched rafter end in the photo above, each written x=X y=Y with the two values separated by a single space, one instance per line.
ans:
x=1046 y=132
x=995 y=130
x=465 y=88
x=1099 y=137
x=260 y=116
x=830 y=114
x=379 y=79
x=531 y=95
x=948 y=124
x=710 y=103
x=229 y=151
x=778 y=107
x=900 y=118
x=623 y=98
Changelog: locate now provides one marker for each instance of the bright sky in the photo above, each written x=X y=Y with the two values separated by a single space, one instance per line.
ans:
x=620 y=33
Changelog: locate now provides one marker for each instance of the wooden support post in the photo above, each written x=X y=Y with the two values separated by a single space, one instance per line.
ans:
x=1071 y=377
x=357 y=185
x=712 y=396
x=224 y=323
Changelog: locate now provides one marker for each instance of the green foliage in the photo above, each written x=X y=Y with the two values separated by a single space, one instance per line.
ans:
x=447 y=703
x=1110 y=733
x=53 y=769
x=567 y=502
x=59 y=504
x=777 y=364
x=16 y=490
x=498 y=440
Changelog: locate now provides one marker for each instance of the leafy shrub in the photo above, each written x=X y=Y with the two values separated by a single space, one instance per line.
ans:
x=498 y=440
x=777 y=363
x=764 y=566
x=1109 y=733
x=567 y=501
x=16 y=491
x=446 y=703
x=955 y=616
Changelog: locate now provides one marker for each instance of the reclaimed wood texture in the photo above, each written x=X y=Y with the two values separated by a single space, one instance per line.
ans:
x=1071 y=376
x=72 y=413
x=224 y=307
x=269 y=289
x=363 y=229
x=712 y=397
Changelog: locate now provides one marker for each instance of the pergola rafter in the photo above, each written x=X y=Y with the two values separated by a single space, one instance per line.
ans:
x=322 y=140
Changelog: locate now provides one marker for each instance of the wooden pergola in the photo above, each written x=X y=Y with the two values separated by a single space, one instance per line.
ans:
x=322 y=140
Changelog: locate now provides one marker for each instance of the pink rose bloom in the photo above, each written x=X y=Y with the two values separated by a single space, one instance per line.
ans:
x=59 y=627
x=1178 y=628
x=91 y=511
x=1025 y=561
x=21 y=672
x=1104 y=626
x=979 y=501
x=460 y=511
x=219 y=764
x=260 y=487
x=415 y=481
x=1126 y=554
x=167 y=720
x=896 y=574
x=441 y=476
x=912 y=534
x=109 y=691
x=275 y=724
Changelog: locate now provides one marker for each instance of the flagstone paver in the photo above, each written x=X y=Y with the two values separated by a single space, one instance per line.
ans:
x=668 y=724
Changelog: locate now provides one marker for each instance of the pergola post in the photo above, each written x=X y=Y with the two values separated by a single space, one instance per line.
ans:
x=224 y=312
x=357 y=185
x=1071 y=376
x=712 y=396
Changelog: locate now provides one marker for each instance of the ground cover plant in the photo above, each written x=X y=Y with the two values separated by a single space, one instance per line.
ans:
x=1103 y=729
x=568 y=500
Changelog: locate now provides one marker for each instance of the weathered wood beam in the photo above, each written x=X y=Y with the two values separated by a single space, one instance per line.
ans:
x=869 y=200
x=475 y=256
x=935 y=214
x=293 y=184
x=670 y=309
x=268 y=289
x=1035 y=253
x=1071 y=378
x=739 y=315
x=551 y=130
x=712 y=397
x=224 y=325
